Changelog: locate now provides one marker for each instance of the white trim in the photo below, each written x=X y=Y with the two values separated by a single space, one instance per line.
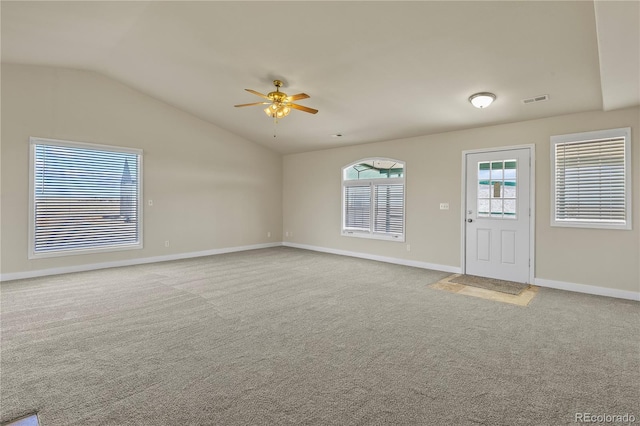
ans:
x=589 y=289
x=498 y=149
x=383 y=181
x=394 y=260
x=129 y=262
x=532 y=213
x=463 y=215
x=84 y=145
x=532 y=203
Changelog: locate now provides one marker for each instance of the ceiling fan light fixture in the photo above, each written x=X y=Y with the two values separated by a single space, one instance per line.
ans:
x=482 y=100
x=277 y=111
x=282 y=112
x=279 y=103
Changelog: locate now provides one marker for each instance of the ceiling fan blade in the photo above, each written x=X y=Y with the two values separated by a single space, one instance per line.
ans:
x=257 y=93
x=251 y=104
x=303 y=108
x=298 y=96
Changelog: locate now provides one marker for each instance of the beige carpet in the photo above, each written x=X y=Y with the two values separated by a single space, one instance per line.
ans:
x=291 y=337
x=492 y=284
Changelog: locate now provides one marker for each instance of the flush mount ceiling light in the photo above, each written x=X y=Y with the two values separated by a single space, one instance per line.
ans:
x=482 y=99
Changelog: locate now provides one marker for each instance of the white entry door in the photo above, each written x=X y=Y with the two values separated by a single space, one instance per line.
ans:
x=497 y=214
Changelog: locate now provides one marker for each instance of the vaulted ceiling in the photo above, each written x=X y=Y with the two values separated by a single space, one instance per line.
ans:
x=375 y=70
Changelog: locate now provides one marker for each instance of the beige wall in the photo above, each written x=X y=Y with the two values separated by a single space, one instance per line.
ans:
x=210 y=188
x=214 y=190
x=603 y=258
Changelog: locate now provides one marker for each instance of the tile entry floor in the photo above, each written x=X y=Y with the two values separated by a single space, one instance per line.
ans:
x=522 y=299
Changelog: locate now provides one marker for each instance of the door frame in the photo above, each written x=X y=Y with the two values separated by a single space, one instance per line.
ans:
x=532 y=205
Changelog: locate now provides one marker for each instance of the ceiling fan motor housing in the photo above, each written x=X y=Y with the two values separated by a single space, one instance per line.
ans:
x=277 y=96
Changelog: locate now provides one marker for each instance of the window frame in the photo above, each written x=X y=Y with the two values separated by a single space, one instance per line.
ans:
x=32 y=254
x=594 y=136
x=372 y=234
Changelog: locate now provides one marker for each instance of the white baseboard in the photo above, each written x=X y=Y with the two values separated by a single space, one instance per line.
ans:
x=588 y=289
x=560 y=285
x=578 y=288
x=129 y=262
x=414 y=263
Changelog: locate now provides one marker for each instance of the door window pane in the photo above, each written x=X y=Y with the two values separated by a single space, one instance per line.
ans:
x=510 y=189
x=496 y=208
x=497 y=189
x=484 y=189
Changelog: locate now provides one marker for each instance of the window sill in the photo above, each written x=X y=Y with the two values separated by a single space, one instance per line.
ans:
x=591 y=225
x=74 y=252
x=374 y=236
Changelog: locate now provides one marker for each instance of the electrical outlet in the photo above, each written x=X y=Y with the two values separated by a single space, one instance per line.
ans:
x=408 y=247
x=166 y=243
x=269 y=234
x=444 y=206
x=150 y=202
x=286 y=234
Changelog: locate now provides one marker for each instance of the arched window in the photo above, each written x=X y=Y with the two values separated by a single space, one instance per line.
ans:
x=373 y=199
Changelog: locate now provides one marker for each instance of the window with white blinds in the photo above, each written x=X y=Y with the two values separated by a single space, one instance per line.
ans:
x=373 y=199
x=389 y=210
x=591 y=185
x=84 y=198
x=357 y=207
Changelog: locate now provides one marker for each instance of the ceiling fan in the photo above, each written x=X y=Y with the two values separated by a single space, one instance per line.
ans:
x=280 y=104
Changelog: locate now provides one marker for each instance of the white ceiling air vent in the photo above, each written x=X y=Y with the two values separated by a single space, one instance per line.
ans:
x=535 y=99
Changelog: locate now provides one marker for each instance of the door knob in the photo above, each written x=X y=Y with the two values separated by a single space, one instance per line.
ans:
x=469 y=220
